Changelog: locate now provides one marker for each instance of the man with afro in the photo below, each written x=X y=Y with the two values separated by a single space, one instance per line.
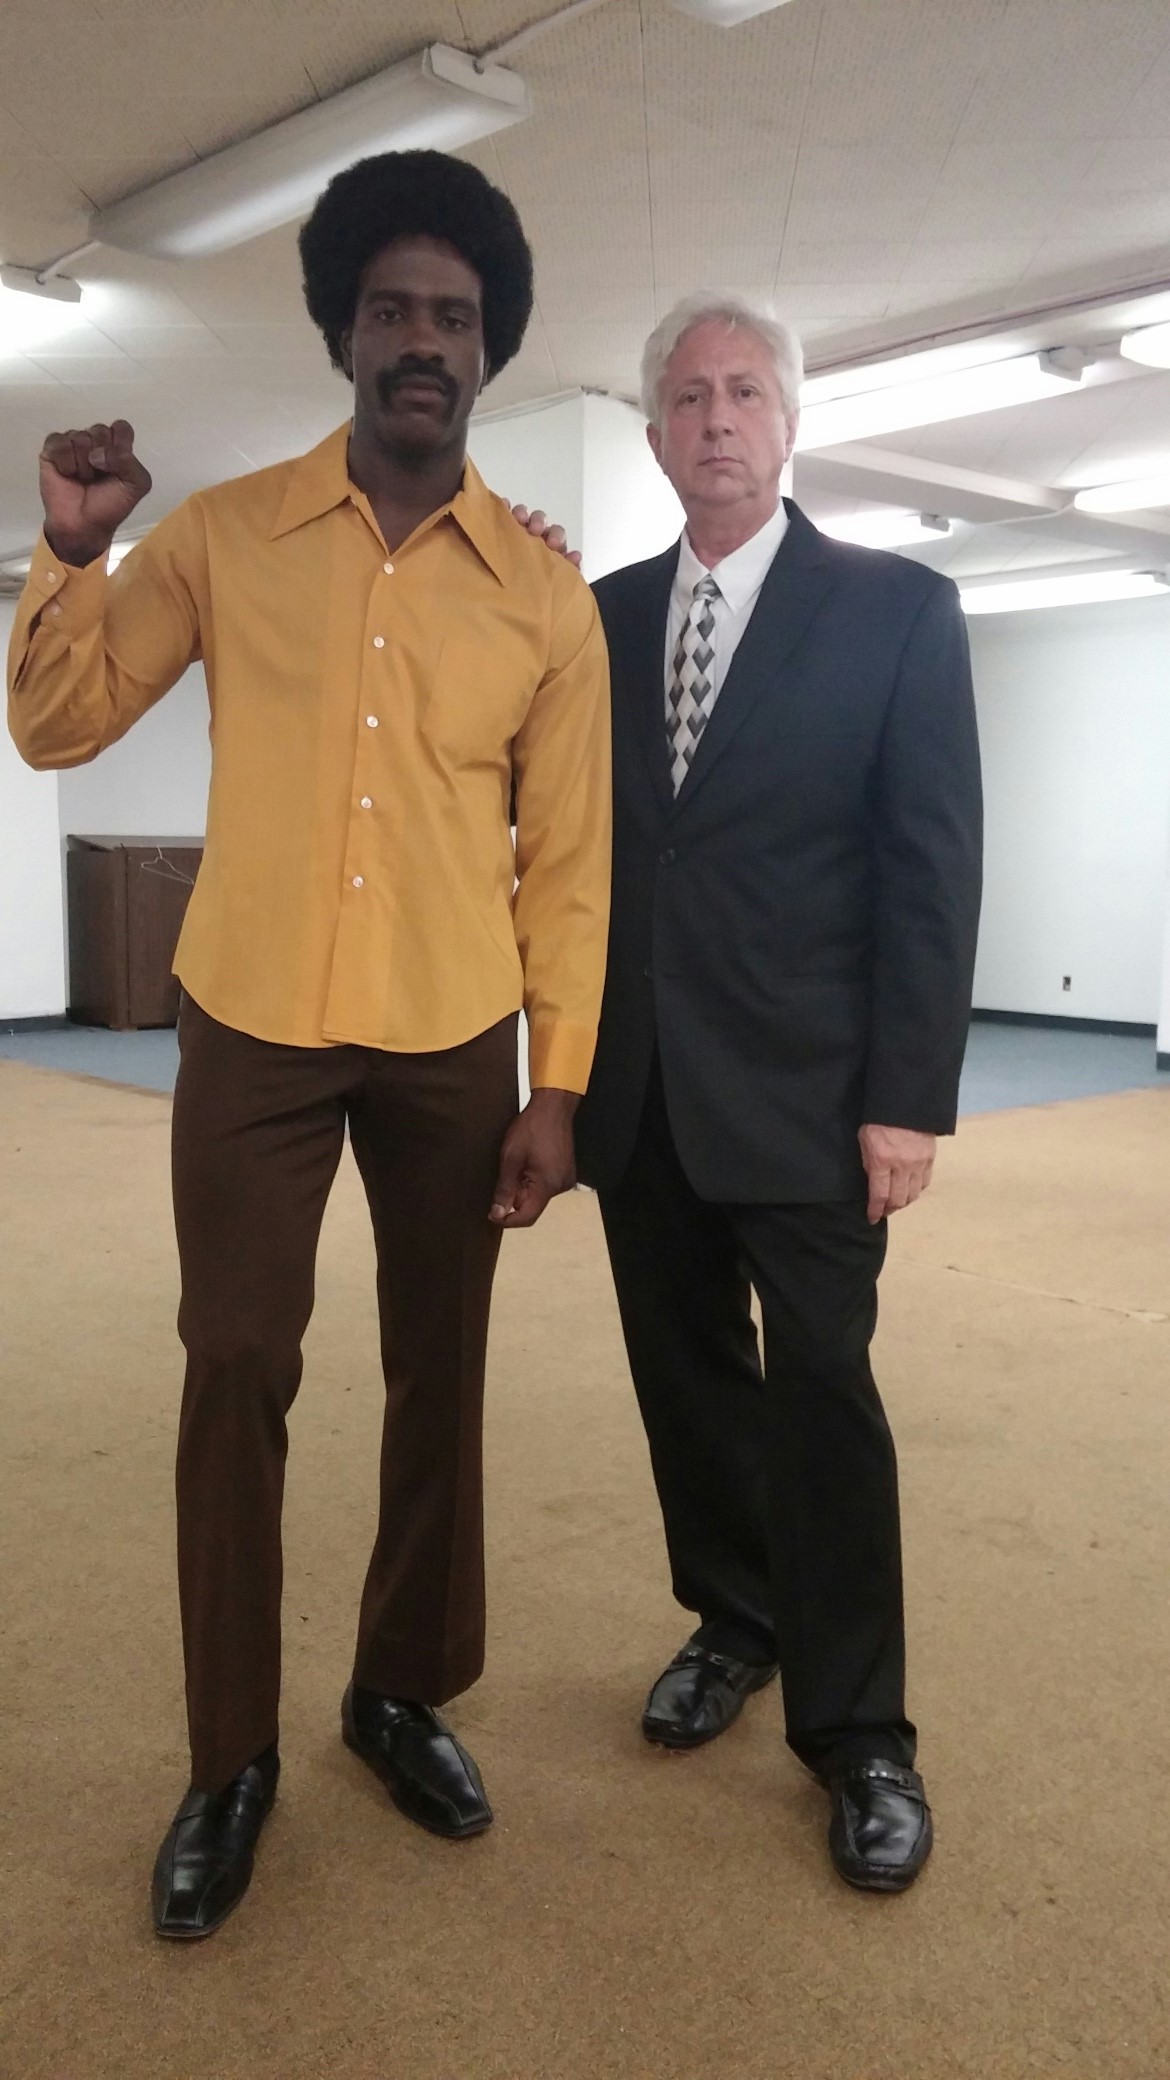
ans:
x=394 y=671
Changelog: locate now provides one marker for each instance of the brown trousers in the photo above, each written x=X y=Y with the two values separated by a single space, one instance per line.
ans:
x=258 y=1135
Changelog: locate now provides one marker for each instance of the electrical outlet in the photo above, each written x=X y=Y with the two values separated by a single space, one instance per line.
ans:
x=1066 y=981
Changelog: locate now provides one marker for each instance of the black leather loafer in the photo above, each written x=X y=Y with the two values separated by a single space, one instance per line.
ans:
x=428 y=1773
x=880 y=1834
x=204 y=1866
x=699 y=1696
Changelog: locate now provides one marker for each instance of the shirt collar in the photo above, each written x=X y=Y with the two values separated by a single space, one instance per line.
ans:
x=740 y=575
x=320 y=480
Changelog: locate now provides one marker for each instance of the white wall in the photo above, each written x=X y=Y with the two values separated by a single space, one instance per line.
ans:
x=584 y=461
x=153 y=783
x=535 y=458
x=630 y=511
x=32 y=935
x=1074 y=715
x=1164 y=1004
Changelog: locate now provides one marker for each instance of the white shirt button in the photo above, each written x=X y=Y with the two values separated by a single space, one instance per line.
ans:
x=379 y=642
x=358 y=882
x=366 y=802
x=371 y=722
x=389 y=569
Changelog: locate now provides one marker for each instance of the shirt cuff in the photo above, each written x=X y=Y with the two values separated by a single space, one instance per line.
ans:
x=560 y=1055
x=63 y=588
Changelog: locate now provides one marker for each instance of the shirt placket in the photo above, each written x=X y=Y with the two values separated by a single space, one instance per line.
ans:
x=363 y=898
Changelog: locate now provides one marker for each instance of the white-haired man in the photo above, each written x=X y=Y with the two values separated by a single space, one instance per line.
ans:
x=795 y=899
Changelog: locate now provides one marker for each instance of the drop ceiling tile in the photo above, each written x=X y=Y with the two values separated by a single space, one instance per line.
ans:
x=19 y=375
x=968 y=260
x=1023 y=161
x=966 y=213
x=857 y=260
x=161 y=344
x=800 y=301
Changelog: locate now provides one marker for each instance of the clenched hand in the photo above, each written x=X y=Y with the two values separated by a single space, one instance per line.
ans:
x=536 y=1160
x=91 y=481
x=898 y=1163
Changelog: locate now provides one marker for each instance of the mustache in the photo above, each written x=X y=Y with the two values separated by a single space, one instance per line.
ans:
x=413 y=369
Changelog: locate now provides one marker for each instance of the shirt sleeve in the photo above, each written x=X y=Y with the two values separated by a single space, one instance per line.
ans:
x=90 y=653
x=561 y=761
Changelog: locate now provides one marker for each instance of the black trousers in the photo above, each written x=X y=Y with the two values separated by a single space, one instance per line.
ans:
x=778 y=1481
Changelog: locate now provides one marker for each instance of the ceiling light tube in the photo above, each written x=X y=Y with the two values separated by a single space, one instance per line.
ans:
x=882 y=529
x=1135 y=495
x=960 y=395
x=437 y=98
x=29 y=318
x=1150 y=348
x=726 y=13
x=1087 y=589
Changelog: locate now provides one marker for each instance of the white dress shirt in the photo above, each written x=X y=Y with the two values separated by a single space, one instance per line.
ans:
x=739 y=578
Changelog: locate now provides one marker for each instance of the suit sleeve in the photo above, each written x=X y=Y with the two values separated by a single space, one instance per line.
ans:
x=928 y=832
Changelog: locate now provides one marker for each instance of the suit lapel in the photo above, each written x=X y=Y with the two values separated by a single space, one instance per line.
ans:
x=789 y=597
x=647 y=650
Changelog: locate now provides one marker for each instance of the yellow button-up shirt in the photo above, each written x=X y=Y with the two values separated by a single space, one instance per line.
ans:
x=369 y=713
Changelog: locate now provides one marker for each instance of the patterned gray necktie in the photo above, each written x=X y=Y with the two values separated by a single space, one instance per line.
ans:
x=691 y=694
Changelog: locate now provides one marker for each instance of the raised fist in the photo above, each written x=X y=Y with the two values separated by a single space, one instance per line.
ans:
x=91 y=482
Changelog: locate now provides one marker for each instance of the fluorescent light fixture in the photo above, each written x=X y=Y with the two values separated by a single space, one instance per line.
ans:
x=1150 y=348
x=1135 y=495
x=30 y=316
x=1085 y=589
x=54 y=288
x=884 y=529
x=726 y=13
x=438 y=98
x=934 y=399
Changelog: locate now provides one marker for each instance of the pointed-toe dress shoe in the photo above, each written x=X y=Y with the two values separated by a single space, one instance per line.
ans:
x=428 y=1773
x=880 y=1834
x=204 y=1866
x=699 y=1696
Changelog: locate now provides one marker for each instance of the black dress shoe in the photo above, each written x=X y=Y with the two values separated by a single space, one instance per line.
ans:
x=204 y=1866
x=699 y=1696
x=880 y=1834
x=428 y=1773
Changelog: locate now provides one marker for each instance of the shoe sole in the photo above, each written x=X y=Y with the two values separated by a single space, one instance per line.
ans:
x=886 y=1885
x=667 y=1738
x=200 y=1935
x=466 y=1833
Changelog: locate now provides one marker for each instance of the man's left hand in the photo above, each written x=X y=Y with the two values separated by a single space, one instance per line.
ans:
x=536 y=1160
x=548 y=531
x=898 y=1163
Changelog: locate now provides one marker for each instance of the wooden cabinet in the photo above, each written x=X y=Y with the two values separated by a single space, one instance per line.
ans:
x=127 y=898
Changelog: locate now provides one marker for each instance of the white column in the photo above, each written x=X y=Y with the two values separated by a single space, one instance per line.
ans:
x=1164 y=1007
x=32 y=919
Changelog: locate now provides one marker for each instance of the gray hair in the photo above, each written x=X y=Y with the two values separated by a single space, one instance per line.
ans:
x=699 y=309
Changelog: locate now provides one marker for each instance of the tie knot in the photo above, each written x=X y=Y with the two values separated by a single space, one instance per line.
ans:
x=706 y=588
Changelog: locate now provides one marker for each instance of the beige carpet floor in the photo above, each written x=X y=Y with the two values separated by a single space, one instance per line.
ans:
x=631 y=1916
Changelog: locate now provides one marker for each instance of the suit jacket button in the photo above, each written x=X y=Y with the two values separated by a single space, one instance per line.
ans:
x=666 y=858
x=649 y=974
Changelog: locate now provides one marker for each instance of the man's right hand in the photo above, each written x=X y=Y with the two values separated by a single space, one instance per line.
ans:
x=90 y=484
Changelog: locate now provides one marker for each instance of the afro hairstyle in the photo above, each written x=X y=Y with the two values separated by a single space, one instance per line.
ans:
x=416 y=195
